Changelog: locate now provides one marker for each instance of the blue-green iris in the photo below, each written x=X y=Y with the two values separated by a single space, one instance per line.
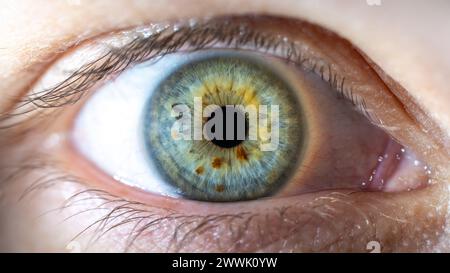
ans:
x=215 y=171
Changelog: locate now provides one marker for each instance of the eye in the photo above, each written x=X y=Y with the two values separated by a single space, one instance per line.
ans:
x=308 y=113
x=162 y=125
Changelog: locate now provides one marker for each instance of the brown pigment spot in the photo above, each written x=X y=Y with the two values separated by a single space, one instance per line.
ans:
x=216 y=163
x=199 y=170
x=241 y=154
x=220 y=188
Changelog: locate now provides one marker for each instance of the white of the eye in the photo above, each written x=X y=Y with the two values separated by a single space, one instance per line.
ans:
x=108 y=129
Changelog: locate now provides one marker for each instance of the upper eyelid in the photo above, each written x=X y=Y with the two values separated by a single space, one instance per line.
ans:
x=172 y=37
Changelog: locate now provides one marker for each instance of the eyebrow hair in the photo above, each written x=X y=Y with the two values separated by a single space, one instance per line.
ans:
x=183 y=36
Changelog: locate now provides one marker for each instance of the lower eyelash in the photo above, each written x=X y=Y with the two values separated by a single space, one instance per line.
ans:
x=134 y=224
x=134 y=218
x=119 y=212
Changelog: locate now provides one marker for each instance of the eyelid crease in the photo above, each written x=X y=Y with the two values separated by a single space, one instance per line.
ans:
x=170 y=38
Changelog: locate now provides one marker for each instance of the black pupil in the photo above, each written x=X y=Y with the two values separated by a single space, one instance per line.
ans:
x=225 y=143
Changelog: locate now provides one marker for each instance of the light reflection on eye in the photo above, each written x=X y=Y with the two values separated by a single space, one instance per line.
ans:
x=324 y=143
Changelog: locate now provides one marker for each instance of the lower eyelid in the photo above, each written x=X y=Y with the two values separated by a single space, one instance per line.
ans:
x=333 y=221
x=327 y=216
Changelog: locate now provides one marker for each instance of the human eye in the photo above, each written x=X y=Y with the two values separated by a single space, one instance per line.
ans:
x=153 y=127
x=317 y=131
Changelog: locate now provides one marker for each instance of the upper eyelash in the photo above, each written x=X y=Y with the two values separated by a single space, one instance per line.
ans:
x=170 y=39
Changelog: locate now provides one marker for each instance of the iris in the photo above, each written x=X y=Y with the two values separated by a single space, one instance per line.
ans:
x=228 y=169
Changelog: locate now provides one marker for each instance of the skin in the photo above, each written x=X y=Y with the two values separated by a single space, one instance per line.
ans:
x=408 y=40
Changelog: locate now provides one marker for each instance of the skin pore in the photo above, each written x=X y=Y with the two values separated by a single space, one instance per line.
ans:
x=408 y=40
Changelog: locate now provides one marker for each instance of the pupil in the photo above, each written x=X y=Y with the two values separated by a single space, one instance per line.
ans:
x=238 y=115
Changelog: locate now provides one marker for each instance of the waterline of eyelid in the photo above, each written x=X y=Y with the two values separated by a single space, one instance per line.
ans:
x=398 y=169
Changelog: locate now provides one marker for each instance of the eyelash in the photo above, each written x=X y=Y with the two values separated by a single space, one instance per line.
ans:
x=142 y=218
x=203 y=35
x=121 y=212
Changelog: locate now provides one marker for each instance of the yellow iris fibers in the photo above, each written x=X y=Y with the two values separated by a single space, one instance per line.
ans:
x=230 y=89
x=222 y=90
